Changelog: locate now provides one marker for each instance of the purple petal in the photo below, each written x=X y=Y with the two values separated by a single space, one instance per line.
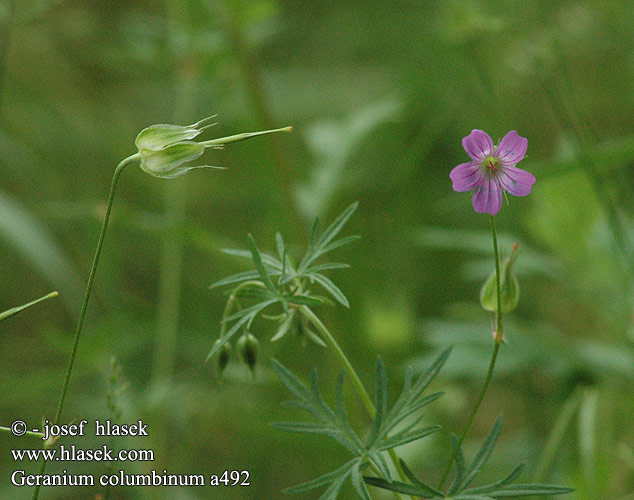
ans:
x=516 y=181
x=487 y=198
x=478 y=144
x=466 y=177
x=512 y=148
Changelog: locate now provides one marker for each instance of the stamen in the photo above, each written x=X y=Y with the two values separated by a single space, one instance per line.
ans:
x=492 y=165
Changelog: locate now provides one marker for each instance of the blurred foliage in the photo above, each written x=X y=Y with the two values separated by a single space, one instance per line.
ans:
x=380 y=95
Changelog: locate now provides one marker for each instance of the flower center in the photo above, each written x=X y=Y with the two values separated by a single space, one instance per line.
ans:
x=491 y=165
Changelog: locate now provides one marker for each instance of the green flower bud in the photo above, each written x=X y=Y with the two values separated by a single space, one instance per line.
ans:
x=509 y=287
x=223 y=356
x=164 y=150
x=248 y=348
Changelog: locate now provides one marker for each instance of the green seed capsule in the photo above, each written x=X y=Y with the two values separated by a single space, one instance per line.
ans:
x=167 y=151
x=248 y=348
x=509 y=287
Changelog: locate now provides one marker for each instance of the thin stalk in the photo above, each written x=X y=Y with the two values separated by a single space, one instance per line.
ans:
x=498 y=341
x=330 y=340
x=84 y=307
x=498 y=280
x=365 y=397
x=233 y=300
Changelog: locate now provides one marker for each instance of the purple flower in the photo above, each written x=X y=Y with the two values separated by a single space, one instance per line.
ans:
x=492 y=170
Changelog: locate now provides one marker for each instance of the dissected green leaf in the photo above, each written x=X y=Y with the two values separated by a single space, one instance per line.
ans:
x=246 y=254
x=224 y=339
x=320 y=244
x=340 y=408
x=310 y=400
x=402 y=438
x=335 y=423
x=410 y=399
x=330 y=287
x=281 y=247
x=521 y=490
x=259 y=265
x=381 y=403
x=493 y=491
x=327 y=266
x=472 y=497
x=359 y=485
x=483 y=454
x=339 y=243
x=304 y=300
x=250 y=311
x=378 y=459
x=290 y=381
x=397 y=486
x=493 y=486
x=337 y=225
x=460 y=467
x=338 y=476
x=313 y=336
x=311 y=428
x=291 y=289
x=314 y=235
x=285 y=326
x=426 y=488
x=236 y=278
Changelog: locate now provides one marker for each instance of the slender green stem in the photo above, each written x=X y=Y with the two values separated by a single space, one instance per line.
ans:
x=84 y=307
x=498 y=341
x=330 y=340
x=365 y=397
x=27 y=433
x=499 y=332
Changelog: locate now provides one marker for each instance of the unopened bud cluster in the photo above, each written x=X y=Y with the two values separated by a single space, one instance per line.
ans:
x=248 y=347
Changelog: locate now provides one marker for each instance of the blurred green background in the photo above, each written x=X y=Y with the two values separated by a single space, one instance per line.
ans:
x=380 y=95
